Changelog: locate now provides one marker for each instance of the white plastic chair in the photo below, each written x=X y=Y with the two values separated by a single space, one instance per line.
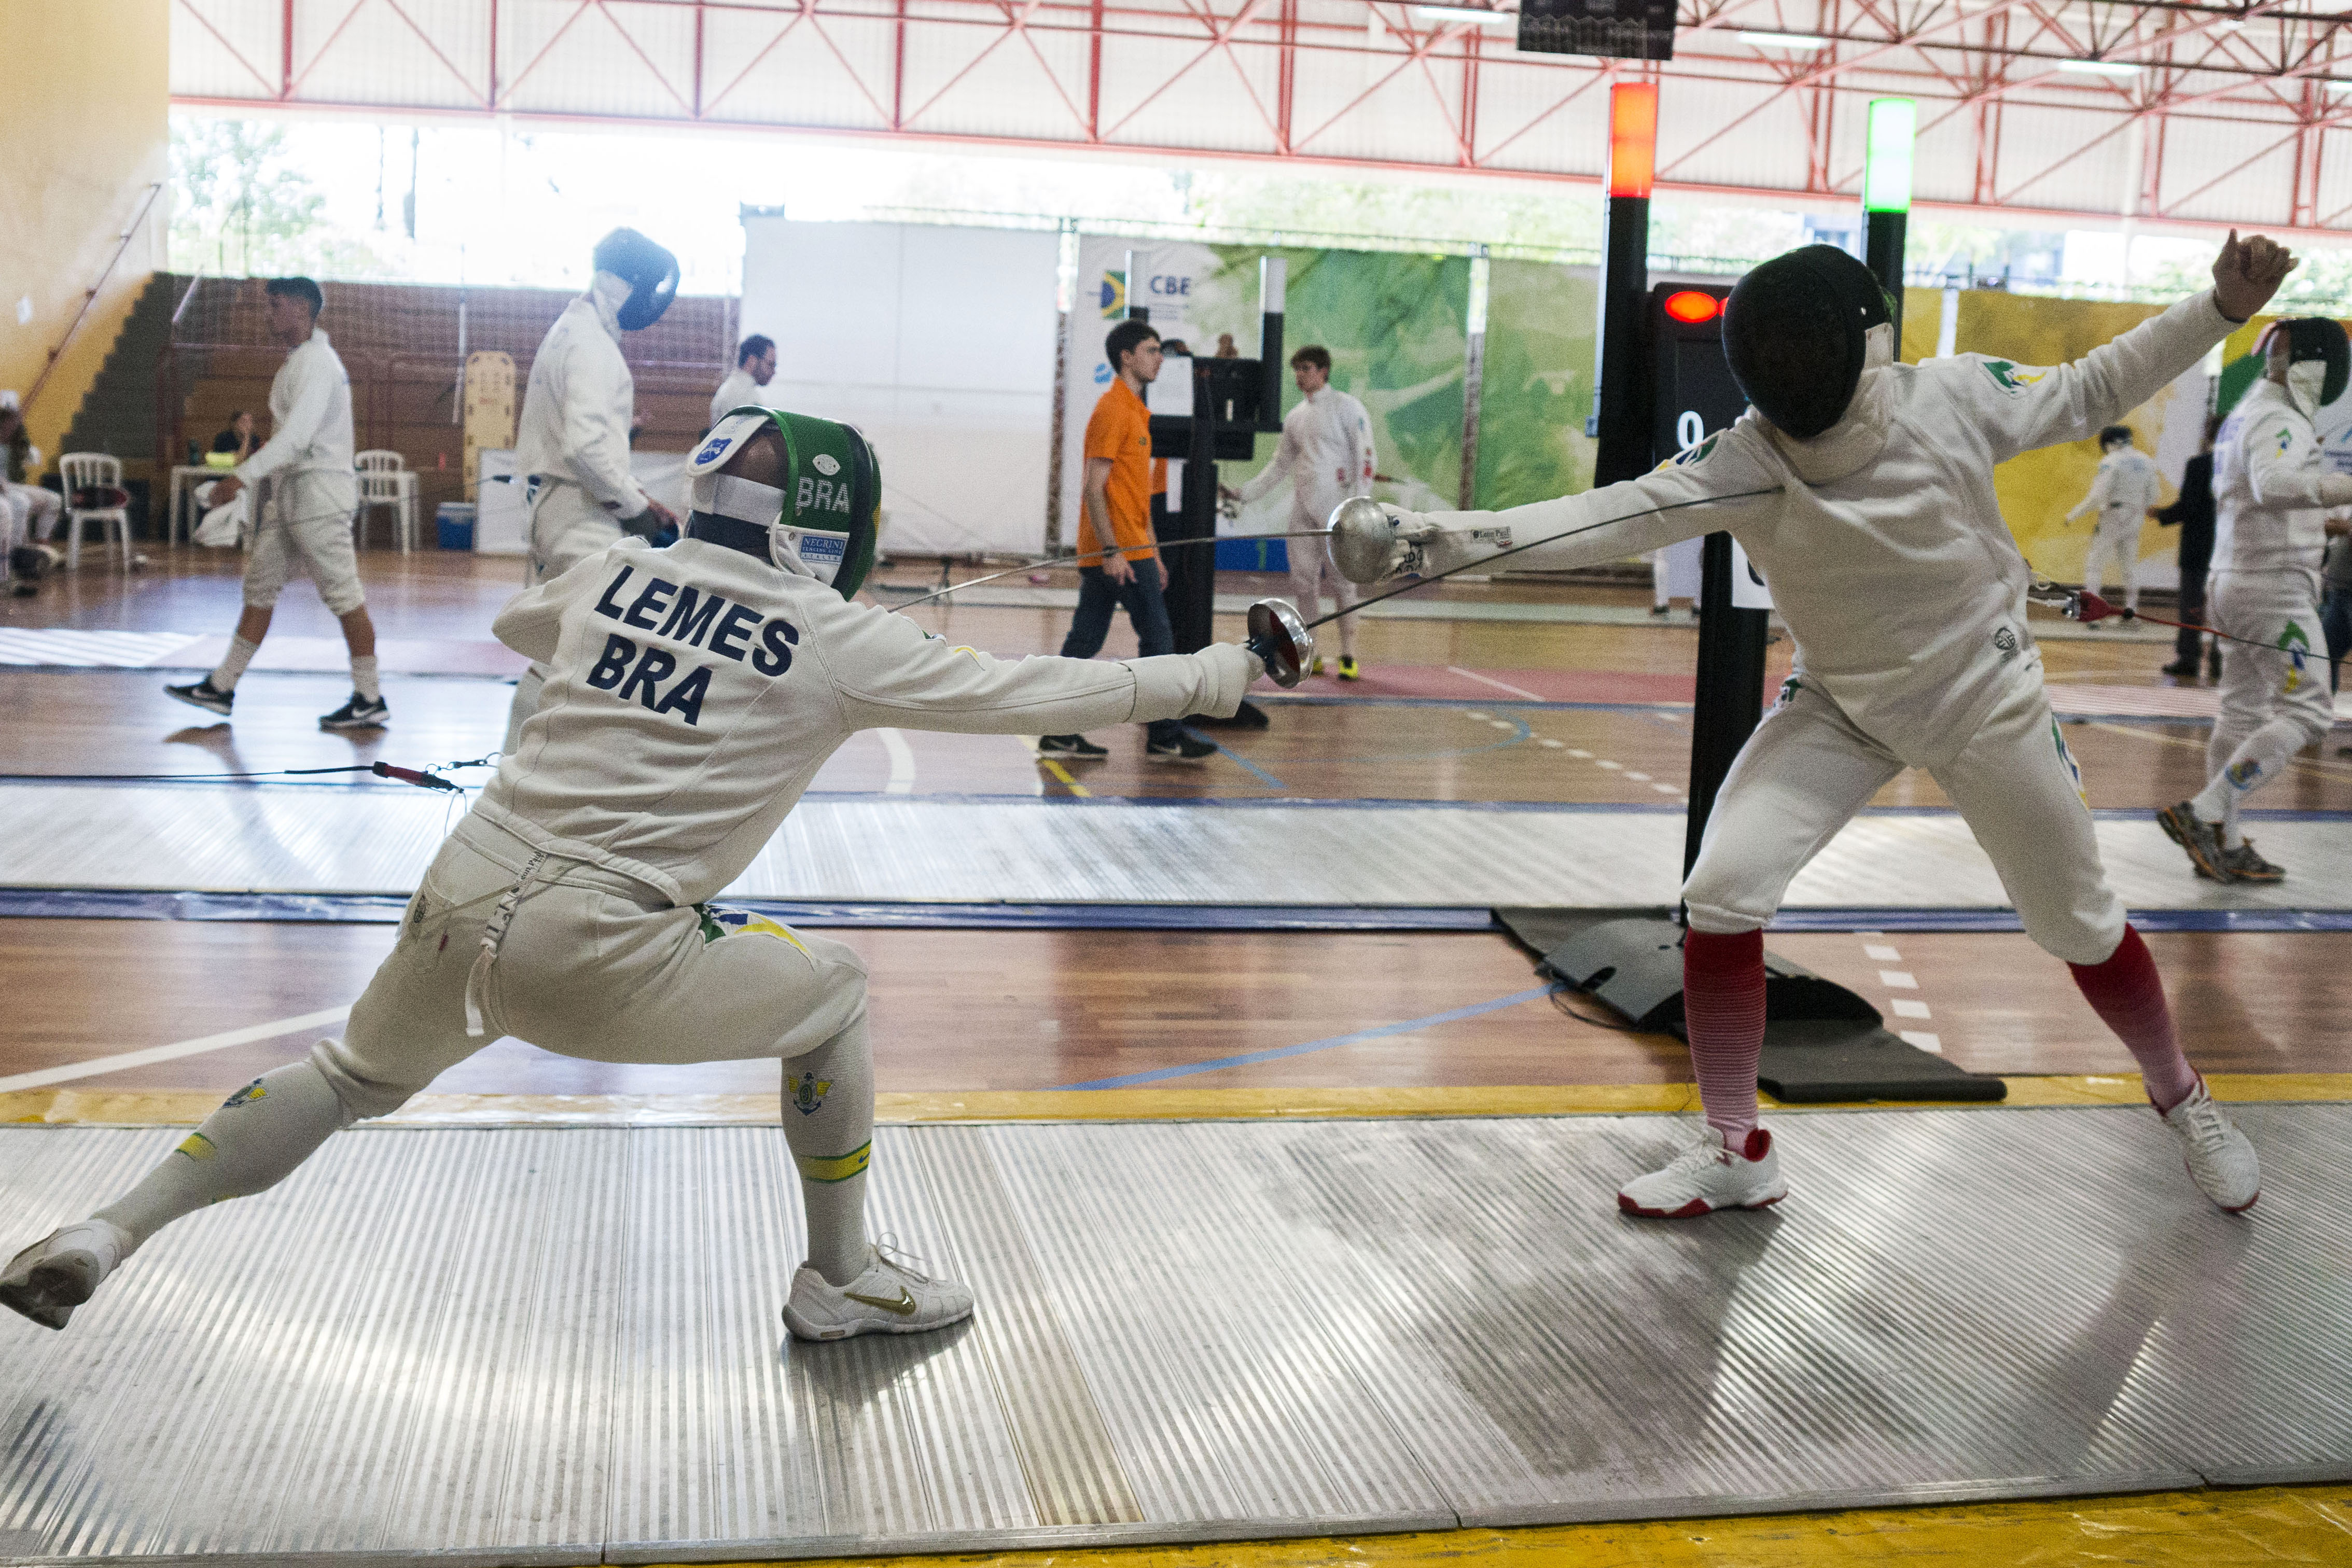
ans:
x=386 y=481
x=82 y=471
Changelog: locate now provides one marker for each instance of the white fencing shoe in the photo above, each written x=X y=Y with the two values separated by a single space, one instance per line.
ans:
x=892 y=1296
x=2219 y=1159
x=49 y=1279
x=1708 y=1176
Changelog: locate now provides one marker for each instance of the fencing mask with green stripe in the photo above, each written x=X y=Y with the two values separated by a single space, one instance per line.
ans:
x=820 y=517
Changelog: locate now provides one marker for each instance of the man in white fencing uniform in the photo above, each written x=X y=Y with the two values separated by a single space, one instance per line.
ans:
x=2125 y=488
x=1864 y=490
x=692 y=693
x=308 y=517
x=1326 y=454
x=572 y=439
x=755 y=367
x=2271 y=487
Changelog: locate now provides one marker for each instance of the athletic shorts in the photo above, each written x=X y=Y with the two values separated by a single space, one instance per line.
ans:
x=309 y=519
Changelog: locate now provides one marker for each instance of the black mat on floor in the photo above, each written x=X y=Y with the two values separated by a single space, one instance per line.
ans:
x=1823 y=1045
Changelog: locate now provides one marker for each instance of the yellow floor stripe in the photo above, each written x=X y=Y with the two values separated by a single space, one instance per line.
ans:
x=2161 y=1529
x=1062 y=773
x=169 y=1108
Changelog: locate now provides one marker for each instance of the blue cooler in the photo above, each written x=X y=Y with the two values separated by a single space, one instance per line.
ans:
x=454 y=521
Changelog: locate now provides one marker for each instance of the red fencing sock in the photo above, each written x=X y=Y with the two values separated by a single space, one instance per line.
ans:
x=1723 y=1007
x=2129 y=996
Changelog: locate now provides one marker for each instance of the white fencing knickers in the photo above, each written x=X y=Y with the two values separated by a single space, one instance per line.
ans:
x=1808 y=770
x=2116 y=538
x=567 y=526
x=1310 y=571
x=2275 y=695
x=591 y=964
x=309 y=517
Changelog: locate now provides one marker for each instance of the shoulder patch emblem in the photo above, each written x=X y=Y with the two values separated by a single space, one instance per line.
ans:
x=2009 y=377
x=1694 y=455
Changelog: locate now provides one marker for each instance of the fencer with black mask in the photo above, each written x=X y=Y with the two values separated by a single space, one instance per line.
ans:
x=572 y=439
x=2272 y=487
x=692 y=693
x=1864 y=490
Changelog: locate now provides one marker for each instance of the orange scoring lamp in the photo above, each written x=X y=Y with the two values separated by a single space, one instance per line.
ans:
x=1633 y=138
x=1692 y=307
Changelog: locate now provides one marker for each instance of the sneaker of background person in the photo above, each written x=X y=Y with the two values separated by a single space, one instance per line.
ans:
x=2199 y=839
x=201 y=695
x=1183 y=749
x=1349 y=669
x=359 y=713
x=1070 y=746
x=2245 y=865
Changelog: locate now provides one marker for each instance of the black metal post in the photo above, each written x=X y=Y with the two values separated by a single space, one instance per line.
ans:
x=1622 y=397
x=1729 y=701
x=1883 y=254
x=1192 y=573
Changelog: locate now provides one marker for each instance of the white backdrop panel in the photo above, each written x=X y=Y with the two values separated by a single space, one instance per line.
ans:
x=938 y=344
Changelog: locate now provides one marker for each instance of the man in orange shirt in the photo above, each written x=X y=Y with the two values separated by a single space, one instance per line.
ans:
x=1120 y=475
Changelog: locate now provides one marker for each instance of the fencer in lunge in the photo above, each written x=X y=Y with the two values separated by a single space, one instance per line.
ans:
x=1864 y=490
x=691 y=695
x=1327 y=455
x=2125 y=488
x=572 y=439
x=2271 y=489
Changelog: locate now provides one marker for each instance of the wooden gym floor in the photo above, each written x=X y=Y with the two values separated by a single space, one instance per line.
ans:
x=988 y=1010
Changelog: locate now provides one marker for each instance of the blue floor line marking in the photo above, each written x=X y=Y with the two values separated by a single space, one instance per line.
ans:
x=1260 y=774
x=385 y=909
x=1162 y=1074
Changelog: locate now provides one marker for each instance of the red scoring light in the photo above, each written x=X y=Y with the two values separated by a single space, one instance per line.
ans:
x=1692 y=307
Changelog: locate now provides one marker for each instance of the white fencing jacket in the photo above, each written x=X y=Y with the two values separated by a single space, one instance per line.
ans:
x=1326 y=451
x=1882 y=538
x=310 y=415
x=693 y=691
x=2271 y=488
x=2128 y=485
x=574 y=426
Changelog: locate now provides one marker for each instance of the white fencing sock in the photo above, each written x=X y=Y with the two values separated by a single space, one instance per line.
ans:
x=829 y=1123
x=250 y=1144
x=364 y=679
x=240 y=654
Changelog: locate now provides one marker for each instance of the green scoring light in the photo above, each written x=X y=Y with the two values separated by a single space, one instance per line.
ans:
x=1887 y=169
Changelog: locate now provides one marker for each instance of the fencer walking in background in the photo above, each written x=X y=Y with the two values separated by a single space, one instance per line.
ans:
x=309 y=519
x=572 y=439
x=1327 y=455
x=691 y=695
x=1864 y=490
x=2122 y=493
x=2271 y=487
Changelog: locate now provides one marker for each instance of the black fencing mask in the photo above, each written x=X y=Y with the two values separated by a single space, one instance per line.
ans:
x=2319 y=361
x=1796 y=331
x=650 y=272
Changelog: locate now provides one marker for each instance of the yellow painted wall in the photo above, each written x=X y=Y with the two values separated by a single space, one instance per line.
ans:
x=85 y=118
x=2037 y=488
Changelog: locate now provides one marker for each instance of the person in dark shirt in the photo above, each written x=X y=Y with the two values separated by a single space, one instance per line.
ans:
x=238 y=437
x=2193 y=513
